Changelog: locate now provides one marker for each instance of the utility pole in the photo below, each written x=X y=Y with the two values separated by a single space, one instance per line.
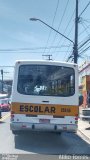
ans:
x=2 y=72
x=2 y=79
x=75 y=48
x=49 y=56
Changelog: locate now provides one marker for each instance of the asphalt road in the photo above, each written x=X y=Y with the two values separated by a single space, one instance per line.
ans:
x=41 y=143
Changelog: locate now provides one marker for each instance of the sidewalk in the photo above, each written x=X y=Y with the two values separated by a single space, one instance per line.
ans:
x=84 y=128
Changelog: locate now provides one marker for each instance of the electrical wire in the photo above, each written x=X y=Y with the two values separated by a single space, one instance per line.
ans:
x=84 y=9
x=27 y=49
x=84 y=50
x=86 y=20
x=66 y=54
x=67 y=28
x=70 y=57
x=84 y=40
x=7 y=66
x=60 y=22
x=81 y=50
x=83 y=24
x=52 y=26
x=84 y=43
x=83 y=30
x=67 y=47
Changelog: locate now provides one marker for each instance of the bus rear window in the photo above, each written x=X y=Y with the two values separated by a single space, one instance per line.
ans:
x=46 y=80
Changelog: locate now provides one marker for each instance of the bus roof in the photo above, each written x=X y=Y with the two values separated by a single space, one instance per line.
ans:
x=45 y=62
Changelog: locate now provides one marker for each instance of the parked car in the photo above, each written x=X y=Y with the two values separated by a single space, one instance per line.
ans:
x=86 y=114
x=0 y=113
x=4 y=105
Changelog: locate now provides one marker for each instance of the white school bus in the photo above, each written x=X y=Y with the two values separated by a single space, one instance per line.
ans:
x=44 y=97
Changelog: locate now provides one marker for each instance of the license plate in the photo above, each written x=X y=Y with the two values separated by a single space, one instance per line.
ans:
x=44 y=120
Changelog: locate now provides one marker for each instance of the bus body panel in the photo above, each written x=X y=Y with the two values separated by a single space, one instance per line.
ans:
x=39 y=117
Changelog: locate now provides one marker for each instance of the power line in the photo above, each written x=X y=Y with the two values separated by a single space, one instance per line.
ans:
x=84 y=40
x=69 y=45
x=75 y=49
x=41 y=52
x=85 y=20
x=84 y=50
x=84 y=47
x=84 y=9
x=52 y=26
x=85 y=28
x=61 y=21
x=66 y=53
x=63 y=43
x=7 y=66
x=66 y=28
x=84 y=43
x=27 y=49
x=69 y=57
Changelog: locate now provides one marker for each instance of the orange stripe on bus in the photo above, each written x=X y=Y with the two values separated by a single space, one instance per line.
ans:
x=44 y=109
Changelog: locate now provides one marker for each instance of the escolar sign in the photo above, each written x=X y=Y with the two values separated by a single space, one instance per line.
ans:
x=41 y=109
x=26 y=108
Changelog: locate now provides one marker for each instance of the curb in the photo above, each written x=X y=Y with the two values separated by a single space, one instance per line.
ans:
x=84 y=135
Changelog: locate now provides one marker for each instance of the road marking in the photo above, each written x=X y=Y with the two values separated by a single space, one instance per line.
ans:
x=5 y=117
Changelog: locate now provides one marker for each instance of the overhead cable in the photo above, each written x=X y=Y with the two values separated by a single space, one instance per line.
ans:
x=52 y=26
x=61 y=21
x=33 y=48
x=84 y=50
x=84 y=9
x=84 y=30
x=84 y=43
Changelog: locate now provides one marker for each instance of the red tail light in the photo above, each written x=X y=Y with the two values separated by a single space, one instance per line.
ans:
x=12 y=115
x=76 y=118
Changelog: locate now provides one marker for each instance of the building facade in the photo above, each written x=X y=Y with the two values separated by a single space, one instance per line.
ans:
x=84 y=83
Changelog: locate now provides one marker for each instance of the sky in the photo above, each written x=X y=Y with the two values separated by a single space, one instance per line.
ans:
x=21 y=38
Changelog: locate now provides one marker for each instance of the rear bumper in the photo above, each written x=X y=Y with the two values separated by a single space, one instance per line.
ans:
x=42 y=127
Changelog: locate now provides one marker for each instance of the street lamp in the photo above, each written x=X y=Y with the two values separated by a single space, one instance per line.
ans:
x=74 y=44
x=36 y=19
